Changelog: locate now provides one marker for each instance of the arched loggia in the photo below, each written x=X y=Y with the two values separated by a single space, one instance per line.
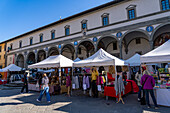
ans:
x=20 y=61
x=68 y=51
x=161 y=34
x=85 y=48
x=136 y=40
x=41 y=55
x=109 y=44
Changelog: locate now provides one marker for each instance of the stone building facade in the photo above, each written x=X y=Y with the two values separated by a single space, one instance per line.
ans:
x=2 y=55
x=121 y=27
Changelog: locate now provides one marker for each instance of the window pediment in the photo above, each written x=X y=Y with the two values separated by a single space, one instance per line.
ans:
x=131 y=6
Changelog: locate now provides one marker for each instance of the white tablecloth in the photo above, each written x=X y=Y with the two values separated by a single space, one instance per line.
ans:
x=163 y=97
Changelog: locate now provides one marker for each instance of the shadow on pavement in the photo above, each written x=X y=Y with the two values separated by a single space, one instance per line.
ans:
x=78 y=104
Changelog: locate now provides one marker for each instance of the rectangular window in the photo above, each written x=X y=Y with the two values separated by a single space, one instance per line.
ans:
x=11 y=47
x=84 y=26
x=114 y=46
x=105 y=21
x=67 y=31
x=138 y=41
x=131 y=13
x=4 y=56
x=41 y=38
x=20 y=44
x=165 y=5
x=0 y=48
x=0 y=56
x=31 y=41
x=52 y=35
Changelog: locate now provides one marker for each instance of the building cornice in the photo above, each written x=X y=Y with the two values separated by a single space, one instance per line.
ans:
x=124 y=28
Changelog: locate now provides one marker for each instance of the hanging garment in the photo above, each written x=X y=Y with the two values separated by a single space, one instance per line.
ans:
x=86 y=81
x=68 y=81
x=110 y=78
x=77 y=82
x=119 y=85
x=103 y=79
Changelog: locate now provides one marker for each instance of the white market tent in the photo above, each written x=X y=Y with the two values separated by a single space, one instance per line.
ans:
x=100 y=58
x=53 y=62
x=134 y=60
x=11 y=67
x=1 y=70
x=160 y=54
x=77 y=59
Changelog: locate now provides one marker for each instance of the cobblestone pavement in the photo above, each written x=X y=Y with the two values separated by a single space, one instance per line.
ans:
x=11 y=101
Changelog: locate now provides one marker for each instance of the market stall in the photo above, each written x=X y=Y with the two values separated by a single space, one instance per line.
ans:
x=58 y=78
x=102 y=58
x=11 y=73
x=134 y=60
x=160 y=55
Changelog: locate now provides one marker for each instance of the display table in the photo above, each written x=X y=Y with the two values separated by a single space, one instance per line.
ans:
x=110 y=91
x=163 y=97
x=3 y=82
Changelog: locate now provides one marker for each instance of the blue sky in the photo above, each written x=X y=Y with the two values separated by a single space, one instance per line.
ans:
x=20 y=16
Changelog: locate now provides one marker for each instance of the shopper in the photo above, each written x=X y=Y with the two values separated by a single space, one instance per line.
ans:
x=68 y=84
x=138 y=79
x=94 y=74
x=148 y=82
x=25 y=83
x=44 y=88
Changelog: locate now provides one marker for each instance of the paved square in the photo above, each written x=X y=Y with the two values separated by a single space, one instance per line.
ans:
x=11 y=101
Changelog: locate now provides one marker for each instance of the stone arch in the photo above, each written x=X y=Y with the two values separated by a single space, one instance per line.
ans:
x=53 y=51
x=31 y=58
x=110 y=44
x=136 y=40
x=161 y=34
x=136 y=30
x=85 y=49
x=41 y=55
x=68 y=50
x=20 y=60
x=111 y=36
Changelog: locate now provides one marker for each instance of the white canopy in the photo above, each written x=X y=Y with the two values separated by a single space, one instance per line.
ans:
x=11 y=67
x=134 y=60
x=160 y=54
x=1 y=70
x=77 y=59
x=100 y=58
x=53 y=61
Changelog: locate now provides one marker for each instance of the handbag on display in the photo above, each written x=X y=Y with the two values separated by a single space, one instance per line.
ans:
x=37 y=85
x=73 y=86
x=84 y=86
x=99 y=87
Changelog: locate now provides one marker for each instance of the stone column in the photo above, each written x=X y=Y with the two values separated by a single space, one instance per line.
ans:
x=36 y=56
x=95 y=47
x=25 y=60
x=46 y=52
x=59 y=51
x=76 y=51
x=151 y=44
x=120 y=49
